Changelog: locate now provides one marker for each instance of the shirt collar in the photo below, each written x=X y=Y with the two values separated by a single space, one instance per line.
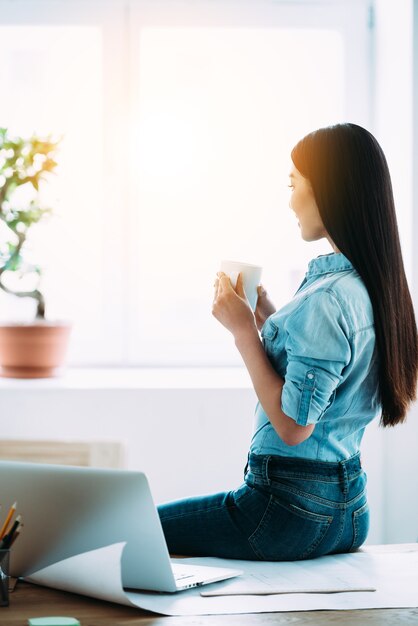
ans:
x=328 y=264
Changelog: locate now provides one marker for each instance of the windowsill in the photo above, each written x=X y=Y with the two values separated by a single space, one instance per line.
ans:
x=137 y=378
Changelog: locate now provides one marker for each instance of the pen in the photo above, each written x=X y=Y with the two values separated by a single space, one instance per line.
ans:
x=15 y=536
x=7 y=520
x=7 y=539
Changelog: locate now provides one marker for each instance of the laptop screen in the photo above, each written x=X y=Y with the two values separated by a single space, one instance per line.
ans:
x=69 y=510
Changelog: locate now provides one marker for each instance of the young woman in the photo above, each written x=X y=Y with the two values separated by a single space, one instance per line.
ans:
x=342 y=352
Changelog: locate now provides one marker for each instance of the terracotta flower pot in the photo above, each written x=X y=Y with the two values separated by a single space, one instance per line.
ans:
x=33 y=350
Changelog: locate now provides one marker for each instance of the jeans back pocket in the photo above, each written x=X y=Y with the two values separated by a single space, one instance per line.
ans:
x=287 y=532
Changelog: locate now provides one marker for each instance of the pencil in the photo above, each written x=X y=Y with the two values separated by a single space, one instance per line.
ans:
x=7 y=520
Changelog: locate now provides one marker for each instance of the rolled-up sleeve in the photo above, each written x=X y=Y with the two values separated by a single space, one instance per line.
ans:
x=318 y=349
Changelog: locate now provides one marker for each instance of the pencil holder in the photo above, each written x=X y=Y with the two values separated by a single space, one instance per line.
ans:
x=4 y=577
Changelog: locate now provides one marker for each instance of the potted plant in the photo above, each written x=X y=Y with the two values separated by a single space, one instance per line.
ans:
x=35 y=349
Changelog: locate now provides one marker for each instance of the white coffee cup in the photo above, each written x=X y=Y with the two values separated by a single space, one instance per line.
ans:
x=251 y=276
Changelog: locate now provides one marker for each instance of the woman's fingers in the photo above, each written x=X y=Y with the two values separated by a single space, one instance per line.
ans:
x=240 y=287
x=224 y=283
x=221 y=284
x=264 y=308
x=261 y=291
x=216 y=288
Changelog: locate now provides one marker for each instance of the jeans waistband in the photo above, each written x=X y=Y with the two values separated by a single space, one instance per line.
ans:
x=267 y=466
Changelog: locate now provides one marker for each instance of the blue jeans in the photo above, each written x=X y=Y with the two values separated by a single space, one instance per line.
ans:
x=287 y=509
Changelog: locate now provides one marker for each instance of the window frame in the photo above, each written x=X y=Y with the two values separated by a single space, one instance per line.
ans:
x=120 y=20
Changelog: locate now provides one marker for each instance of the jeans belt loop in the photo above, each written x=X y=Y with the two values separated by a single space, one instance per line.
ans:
x=246 y=466
x=266 y=469
x=344 y=478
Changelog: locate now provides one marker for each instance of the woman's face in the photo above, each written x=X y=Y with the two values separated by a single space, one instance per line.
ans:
x=303 y=204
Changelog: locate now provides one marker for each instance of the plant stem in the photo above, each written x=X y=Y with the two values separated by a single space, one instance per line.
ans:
x=35 y=293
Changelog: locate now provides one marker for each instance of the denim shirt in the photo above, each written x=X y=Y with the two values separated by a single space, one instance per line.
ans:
x=323 y=345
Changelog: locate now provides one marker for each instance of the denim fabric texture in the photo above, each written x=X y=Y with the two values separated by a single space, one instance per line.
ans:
x=287 y=509
x=322 y=344
x=308 y=500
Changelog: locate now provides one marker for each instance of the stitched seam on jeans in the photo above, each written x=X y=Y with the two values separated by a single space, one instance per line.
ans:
x=312 y=477
x=310 y=497
x=317 y=542
x=192 y=512
x=341 y=529
x=241 y=501
x=313 y=497
x=356 y=515
x=356 y=498
x=252 y=540
x=305 y=514
x=297 y=510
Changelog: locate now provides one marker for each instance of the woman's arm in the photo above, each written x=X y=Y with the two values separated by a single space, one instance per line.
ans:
x=233 y=311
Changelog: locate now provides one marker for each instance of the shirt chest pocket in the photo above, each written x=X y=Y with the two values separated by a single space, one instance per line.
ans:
x=269 y=331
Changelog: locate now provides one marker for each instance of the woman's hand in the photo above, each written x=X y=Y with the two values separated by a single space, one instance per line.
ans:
x=265 y=307
x=231 y=307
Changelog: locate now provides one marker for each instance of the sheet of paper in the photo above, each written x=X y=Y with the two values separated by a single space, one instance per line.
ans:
x=98 y=574
x=327 y=575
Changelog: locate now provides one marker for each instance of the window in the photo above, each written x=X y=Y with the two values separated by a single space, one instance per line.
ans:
x=178 y=119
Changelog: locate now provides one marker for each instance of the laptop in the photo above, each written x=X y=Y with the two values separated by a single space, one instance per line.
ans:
x=69 y=510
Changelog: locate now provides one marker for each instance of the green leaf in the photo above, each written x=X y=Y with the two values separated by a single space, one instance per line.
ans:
x=15 y=263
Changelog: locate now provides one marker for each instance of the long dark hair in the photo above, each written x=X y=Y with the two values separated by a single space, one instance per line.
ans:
x=351 y=183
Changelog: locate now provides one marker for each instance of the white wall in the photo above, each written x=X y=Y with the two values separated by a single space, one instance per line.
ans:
x=394 y=127
x=189 y=430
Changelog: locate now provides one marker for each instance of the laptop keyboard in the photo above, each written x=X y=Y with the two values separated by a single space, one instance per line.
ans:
x=193 y=575
x=181 y=572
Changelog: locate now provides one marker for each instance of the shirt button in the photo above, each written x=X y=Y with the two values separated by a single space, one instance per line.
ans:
x=310 y=376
